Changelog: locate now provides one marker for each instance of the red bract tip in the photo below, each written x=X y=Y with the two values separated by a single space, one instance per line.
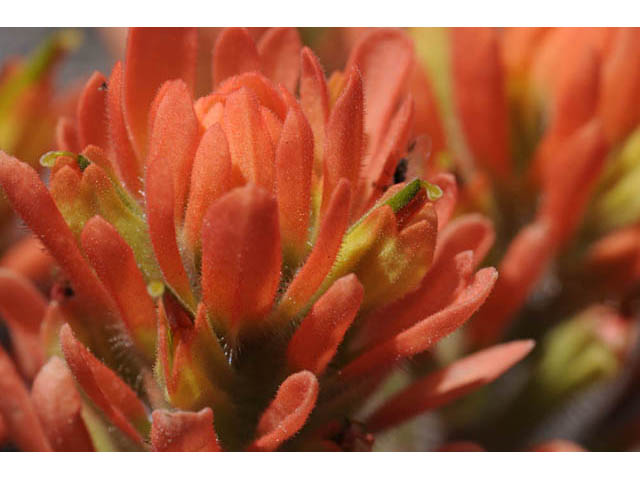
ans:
x=314 y=98
x=249 y=141
x=444 y=386
x=154 y=55
x=384 y=57
x=183 y=431
x=241 y=257
x=59 y=407
x=344 y=143
x=320 y=333
x=91 y=112
x=128 y=165
x=234 y=53
x=425 y=333
x=124 y=281
x=210 y=179
x=480 y=96
x=288 y=412
x=294 y=164
x=114 y=397
x=279 y=50
x=325 y=250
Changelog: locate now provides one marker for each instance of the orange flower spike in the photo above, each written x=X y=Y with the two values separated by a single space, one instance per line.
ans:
x=124 y=281
x=279 y=50
x=22 y=307
x=344 y=142
x=114 y=397
x=33 y=202
x=520 y=268
x=249 y=140
x=183 y=431
x=323 y=255
x=288 y=411
x=239 y=276
x=444 y=386
x=384 y=57
x=317 y=338
x=294 y=164
x=17 y=410
x=480 y=96
x=153 y=56
x=210 y=179
x=621 y=86
x=120 y=147
x=425 y=333
x=234 y=53
x=59 y=408
x=314 y=100
x=91 y=112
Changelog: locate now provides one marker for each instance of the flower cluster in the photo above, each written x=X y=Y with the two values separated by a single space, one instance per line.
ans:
x=244 y=270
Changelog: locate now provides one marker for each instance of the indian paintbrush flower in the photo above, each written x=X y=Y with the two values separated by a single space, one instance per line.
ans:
x=241 y=270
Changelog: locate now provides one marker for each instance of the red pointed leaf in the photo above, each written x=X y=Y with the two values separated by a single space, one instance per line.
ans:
x=288 y=412
x=279 y=50
x=114 y=397
x=445 y=385
x=249 y=139
x=129 y=167
x=427 y=332
x=92 y=112
x=241 y=256
x=154 y=55
x=210 y=179
x=331 y=231
x=320 y=333
x=294 y=163
x=314 y=97
x=385 y=60
x=124 y=281
x=344 y=143
x=480 y=96
x=234 y=53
